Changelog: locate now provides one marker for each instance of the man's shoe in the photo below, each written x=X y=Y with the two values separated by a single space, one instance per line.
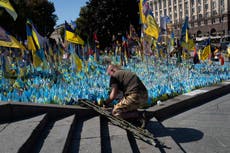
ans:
x=145 y=117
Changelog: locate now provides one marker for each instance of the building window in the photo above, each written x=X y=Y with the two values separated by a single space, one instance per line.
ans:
x=220 y=19
x=222 y=2
x=175 y=9
x=175 y=15
x=214 y=12
x=200 y=16
x=199 y=9
x=206 y=14
x=165 y=12
x=193 y=17
x=155 y=6
x=205 y=22
x=164 y=3
x=192 y=25
x=174 y=1
x=213 y=5
x=180 y=7
x=206 y=7
x=213 y=21
x=186 y=4
x=193 y=10
x=186 y=12
x=192 y=2
x=169 y=2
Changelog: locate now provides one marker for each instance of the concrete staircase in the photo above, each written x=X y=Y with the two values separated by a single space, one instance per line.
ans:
x=31 y=128
x=34 y=128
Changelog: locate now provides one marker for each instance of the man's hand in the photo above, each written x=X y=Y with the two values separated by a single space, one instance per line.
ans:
x=101 y=102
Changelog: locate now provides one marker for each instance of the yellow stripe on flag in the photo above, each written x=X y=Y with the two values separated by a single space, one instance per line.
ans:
x=142 y=16
x=6 y=4
x=36 y=39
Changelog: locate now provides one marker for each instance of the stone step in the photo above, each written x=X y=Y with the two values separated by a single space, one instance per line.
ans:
x=79 y=134
x=19 y=136
x=90 y=140
x=118 y=139
x=57 y=136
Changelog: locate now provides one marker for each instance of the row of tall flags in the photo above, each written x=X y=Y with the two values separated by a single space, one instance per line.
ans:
x=72 y=37
x=41 y=49
x=152 y=29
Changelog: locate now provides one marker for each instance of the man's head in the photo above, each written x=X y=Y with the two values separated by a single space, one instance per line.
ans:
x=112 y=69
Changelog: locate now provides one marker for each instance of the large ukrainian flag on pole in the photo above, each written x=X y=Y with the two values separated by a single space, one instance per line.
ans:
x=184 y=31
x=141 y=11
x=71 y=36
x=8 y=7
x=146 y=17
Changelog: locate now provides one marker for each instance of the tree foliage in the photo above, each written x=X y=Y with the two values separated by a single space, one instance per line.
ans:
x=41 y=12
x=107 y=18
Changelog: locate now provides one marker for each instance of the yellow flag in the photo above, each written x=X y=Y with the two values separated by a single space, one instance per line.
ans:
x=6 y=4
x=205 y=53
x=152 y=29
x=10 y=41
x=14 y=40
x=72 y=37
x=189 y=45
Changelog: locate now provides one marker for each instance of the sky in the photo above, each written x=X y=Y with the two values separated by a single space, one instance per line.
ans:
x=67 y=9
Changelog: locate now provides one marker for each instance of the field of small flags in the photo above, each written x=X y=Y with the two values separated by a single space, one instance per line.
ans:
x=163 y=79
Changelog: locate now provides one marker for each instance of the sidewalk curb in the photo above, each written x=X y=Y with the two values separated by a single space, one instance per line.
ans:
x=189 y=100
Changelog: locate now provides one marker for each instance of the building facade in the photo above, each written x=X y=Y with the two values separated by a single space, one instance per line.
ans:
x=206 y=17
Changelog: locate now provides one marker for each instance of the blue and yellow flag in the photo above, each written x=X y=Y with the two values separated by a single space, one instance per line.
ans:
x=71 y=36
x=184 y=31
x=8 y=7
x=7 y=40
x=35 y=43
x=142 y=8
x=76 y=62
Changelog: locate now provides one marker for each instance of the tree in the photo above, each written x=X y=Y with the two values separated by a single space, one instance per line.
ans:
x=107 y=18
x=41 y=12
